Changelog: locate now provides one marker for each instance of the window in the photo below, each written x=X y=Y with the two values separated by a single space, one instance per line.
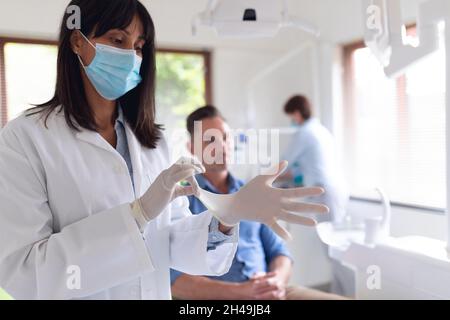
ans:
x=394 y=129
x=28 y=76
x=183 y=85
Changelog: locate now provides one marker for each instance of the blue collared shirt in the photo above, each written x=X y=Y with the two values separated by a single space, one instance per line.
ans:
x=122 y=142
x=215 y=238
x=258 y=244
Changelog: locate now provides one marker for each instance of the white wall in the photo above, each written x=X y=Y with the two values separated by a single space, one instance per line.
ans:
x=270 y=88
x=233 y=70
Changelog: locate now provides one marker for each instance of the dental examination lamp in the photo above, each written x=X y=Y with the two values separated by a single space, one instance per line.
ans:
x=249 y=18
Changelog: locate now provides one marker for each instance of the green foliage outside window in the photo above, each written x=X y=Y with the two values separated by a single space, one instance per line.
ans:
x=180 y=83
x=4 y=295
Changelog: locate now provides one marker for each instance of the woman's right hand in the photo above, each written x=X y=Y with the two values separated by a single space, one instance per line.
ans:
x=166 y=187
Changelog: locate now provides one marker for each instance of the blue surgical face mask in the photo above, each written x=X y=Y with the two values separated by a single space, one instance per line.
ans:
x=113 y=72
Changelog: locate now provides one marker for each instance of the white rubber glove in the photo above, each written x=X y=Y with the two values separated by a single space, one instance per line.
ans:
x=259 y=201
x=166 y=188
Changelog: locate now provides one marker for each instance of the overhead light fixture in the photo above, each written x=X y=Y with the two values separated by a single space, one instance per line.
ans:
x=249 y=18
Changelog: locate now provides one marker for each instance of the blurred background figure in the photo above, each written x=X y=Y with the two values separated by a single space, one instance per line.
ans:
x=313 y=159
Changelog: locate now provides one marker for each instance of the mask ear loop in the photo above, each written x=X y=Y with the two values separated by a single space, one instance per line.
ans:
x=79 y=58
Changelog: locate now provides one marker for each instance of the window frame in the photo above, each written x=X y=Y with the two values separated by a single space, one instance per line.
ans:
x=349 y=112
x=206 y=55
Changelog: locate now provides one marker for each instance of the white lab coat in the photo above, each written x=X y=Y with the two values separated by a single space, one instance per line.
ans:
x=313 y=149
x=65 y=206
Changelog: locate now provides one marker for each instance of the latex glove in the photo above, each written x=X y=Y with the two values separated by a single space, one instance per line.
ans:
x=259 y=201
x=166 y=187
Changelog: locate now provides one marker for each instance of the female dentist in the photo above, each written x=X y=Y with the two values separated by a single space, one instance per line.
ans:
x=90 y=207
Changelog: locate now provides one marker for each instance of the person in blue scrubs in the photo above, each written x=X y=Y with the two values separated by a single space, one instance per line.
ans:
x=313 y=159
x=262 y=266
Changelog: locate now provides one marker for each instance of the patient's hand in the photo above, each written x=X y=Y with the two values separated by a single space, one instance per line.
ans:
x=262 y=287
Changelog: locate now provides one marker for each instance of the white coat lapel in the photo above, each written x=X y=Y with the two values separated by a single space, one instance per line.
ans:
x=94 y=138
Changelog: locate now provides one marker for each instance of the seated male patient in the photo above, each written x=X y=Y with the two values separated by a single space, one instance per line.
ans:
x=262 y=266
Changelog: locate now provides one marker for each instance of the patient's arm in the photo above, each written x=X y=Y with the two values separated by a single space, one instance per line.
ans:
x=282 y=267
x=188 y=287
x=278 y=278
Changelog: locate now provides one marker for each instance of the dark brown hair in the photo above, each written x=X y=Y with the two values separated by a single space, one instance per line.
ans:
x=98 y=17
x=207 y=112
x=300 y=104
